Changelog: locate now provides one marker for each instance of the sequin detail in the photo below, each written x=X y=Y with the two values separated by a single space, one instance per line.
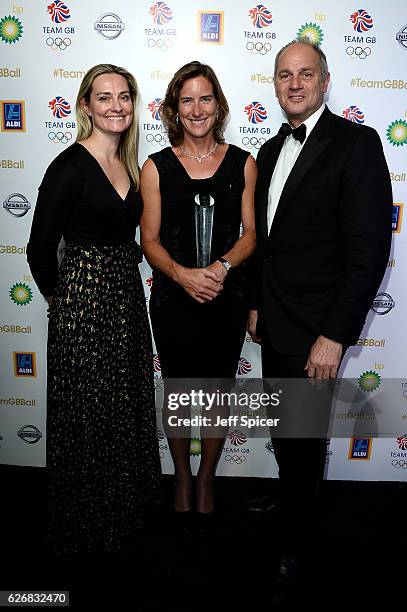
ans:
x=102 y=450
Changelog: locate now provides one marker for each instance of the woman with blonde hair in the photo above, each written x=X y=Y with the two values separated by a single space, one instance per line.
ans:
x=102 y=452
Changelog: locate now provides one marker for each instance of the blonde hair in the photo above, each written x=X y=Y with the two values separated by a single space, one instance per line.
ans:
x=128 y=144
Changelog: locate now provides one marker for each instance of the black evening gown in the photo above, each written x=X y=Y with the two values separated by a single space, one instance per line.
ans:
x=102 y=452
x=199 y=340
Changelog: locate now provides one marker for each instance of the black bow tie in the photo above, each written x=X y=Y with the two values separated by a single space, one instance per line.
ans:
x=298 y=133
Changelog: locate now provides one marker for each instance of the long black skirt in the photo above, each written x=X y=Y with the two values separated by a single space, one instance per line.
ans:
x=102 y=451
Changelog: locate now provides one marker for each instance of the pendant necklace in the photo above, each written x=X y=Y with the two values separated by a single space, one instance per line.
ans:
x=199 y=158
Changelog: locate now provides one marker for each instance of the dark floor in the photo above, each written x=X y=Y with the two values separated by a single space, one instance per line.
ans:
x=358 y=559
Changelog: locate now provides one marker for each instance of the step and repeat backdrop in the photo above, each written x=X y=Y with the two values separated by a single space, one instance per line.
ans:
x=45 y=50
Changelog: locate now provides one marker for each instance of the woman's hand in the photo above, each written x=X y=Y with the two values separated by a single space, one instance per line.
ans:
x=202 y=284
x=218 y=270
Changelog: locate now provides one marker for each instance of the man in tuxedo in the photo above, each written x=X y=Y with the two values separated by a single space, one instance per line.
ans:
x=323 y=222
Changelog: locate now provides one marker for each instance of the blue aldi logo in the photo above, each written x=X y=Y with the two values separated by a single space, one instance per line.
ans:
x=12 y=116
x=211 y=27
x=24 y=365
x=360 y=448
x=397 y=218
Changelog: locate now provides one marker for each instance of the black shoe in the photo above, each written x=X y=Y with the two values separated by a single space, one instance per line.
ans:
x=287 y=580
x=182 y=521
x=262 y=505
x=205 y=522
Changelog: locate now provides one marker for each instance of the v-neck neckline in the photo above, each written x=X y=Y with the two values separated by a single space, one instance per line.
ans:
x=207 y=178
x=123 y=200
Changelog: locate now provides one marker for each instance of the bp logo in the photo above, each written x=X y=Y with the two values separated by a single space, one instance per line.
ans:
x=195 y=447
x=311 y=32
x=21 y=294
x=397 y=133
x=369 y=381
x=11 y=29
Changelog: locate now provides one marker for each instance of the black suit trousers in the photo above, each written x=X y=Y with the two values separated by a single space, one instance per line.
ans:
x=301 y=461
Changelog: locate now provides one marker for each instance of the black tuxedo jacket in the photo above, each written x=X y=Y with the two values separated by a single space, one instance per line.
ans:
x=320 y=267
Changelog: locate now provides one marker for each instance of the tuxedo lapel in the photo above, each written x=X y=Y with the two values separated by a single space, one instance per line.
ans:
x=318 y=140
x=268 y=165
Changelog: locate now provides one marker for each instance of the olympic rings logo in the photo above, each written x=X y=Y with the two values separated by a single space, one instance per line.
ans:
x=160 y=43
x=253 y=142
x=58 y=43
x=397 y=463
x=235 y=459
x=159 y=139
x=61 y=137
x=258 y=47
x=359 y=52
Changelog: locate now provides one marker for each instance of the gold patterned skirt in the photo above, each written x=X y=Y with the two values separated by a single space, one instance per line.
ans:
x=102 y=452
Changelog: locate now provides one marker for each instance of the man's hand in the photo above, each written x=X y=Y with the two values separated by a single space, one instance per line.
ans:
x=252 y=325
x=324 y=358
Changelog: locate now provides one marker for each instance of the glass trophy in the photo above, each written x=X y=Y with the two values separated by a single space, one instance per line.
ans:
x=204 y=206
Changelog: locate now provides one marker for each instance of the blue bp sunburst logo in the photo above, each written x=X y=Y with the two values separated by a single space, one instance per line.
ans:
x=195 y=447
x=397 y=133
x=21 y=294
x=11 y=29
x=369 y=381
x=311 y=32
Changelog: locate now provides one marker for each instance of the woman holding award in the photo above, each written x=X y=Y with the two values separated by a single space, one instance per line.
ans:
x=197 y=195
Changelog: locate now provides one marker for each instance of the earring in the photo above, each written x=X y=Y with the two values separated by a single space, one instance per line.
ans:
x=217 y=114
x=177 y=119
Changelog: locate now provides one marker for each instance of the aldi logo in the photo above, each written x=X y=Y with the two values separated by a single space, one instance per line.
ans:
x=12 y=116
x=24 y=365
x=211 y=27
x=397 y=218
x=360 y=448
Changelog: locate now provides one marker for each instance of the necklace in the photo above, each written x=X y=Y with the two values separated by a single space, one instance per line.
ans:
x=199 y=158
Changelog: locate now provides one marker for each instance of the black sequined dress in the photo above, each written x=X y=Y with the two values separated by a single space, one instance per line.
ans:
x=102 y=452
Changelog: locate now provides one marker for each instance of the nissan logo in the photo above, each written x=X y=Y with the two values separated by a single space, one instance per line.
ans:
x=383 y=303
x=16 y=204
x=30 y=434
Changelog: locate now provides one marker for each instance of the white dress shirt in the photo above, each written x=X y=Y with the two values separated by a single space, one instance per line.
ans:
x=286 y=160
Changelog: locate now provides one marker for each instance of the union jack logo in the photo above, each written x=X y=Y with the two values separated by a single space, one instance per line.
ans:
x=256 y=113
x=244 y=366
x=354 y=114
x=60 y=107
x=154 y=108
x=362 y=21
x=161 y=13
x=59 y=11
x=236 y=437
x=260 y=16
x=402 y=442
x=156 y=363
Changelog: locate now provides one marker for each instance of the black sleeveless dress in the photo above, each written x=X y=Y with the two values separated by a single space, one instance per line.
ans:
x=199 y=340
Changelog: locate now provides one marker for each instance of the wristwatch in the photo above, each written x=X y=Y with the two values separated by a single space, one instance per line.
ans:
x=225 y=263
